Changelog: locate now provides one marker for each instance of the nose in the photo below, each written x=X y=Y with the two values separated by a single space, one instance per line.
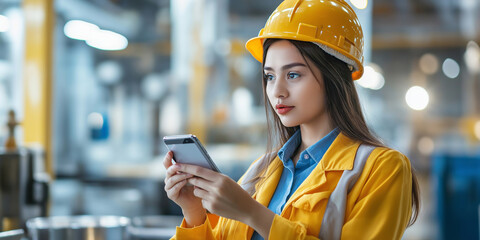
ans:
x=279 y=89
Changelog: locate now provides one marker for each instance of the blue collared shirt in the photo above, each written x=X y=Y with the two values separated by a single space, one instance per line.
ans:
x=293 y=176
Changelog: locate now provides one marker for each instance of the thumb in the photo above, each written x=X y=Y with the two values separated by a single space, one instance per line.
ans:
x=167 y=161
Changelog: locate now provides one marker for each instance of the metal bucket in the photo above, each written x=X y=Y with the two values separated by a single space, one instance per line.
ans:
x=160 y=227
x=78 y=228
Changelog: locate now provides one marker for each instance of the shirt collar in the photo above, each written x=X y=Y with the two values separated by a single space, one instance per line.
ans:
x=286 y=152
x=316 y=151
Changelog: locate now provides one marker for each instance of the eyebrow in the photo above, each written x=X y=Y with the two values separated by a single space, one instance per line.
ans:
x=287 y=66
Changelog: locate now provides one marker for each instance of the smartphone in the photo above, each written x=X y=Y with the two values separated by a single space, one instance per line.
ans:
x=188 y=149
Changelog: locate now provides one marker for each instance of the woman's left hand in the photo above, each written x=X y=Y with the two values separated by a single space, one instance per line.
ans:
x=219 y=193
x=224 y=197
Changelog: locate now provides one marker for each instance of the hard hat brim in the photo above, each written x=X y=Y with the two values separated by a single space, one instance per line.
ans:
x=255 y=47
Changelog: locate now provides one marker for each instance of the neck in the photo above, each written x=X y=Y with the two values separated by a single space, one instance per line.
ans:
x=313 y=133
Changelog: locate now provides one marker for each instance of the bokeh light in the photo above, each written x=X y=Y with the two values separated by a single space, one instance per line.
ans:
x=428 y=63
x=417 y=98
x=450 y=68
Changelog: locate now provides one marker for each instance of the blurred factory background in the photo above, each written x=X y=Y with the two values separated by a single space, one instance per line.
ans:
x=96 y=84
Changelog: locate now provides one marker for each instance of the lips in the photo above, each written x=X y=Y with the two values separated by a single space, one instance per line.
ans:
x=283 y=109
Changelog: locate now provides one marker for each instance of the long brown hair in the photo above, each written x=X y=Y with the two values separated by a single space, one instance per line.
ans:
x=342 y=104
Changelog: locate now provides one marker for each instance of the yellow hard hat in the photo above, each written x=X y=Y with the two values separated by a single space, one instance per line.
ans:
x=330 y=24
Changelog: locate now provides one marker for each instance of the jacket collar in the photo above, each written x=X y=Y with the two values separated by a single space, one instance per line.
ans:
x=267 y=189
x=340 y=155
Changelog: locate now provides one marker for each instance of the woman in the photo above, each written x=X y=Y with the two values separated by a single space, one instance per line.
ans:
x=324 y=175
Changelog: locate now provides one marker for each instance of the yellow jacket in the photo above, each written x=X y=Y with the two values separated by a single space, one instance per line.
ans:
x=378 y=206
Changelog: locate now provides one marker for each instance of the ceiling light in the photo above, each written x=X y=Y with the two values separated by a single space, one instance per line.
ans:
x=80 y=30
x=107 y=40
x=417 y=98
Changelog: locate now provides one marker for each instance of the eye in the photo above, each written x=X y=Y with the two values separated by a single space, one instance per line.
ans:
x=268 y=77
x=292 y=75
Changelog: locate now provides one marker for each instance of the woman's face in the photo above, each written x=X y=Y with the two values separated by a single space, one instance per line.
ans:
x=292 y=88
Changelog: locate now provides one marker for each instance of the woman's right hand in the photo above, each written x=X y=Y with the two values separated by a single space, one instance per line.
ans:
x=182 y=194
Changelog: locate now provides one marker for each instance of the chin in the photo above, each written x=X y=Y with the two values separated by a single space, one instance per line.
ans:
x=288 y=123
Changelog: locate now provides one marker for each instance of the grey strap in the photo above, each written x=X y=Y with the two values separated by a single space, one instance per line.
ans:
x=334 y=216
x=245 y=184
x=253 y=171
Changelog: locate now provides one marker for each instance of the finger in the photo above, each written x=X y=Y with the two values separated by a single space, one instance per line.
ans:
x=173 y=192
x=201 y=183
x=172 y=181
x=167 y=161
x=208 y=205
x=201 y=193
x=172 y=170
x=198 y=171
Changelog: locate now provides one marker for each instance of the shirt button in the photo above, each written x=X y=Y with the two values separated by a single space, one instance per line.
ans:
x=306 y=156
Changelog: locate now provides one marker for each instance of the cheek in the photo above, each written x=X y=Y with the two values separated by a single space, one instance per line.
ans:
x=314 y=98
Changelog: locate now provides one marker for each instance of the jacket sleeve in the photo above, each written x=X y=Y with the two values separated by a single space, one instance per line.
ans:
x=204 y=231
x=208 y=229
x=383 y=208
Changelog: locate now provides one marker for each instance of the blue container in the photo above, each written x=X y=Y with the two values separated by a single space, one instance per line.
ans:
x=457 y=186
